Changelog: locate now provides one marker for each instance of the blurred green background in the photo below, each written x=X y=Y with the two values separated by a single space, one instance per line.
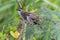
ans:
x=9 y=19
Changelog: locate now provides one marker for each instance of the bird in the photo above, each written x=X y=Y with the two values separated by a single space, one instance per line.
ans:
x=27 y=17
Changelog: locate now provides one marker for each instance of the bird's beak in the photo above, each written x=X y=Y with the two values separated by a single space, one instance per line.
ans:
x=18 y=10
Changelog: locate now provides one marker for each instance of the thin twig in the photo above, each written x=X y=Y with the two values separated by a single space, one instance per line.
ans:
x=19 y=29
x=7 y=38
x=23 y=4
x=20 y=6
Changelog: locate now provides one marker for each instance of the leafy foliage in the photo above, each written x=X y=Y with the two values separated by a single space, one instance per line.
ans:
x=50 y=9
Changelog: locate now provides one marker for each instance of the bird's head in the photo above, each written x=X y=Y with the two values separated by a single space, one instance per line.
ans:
x=20 y=10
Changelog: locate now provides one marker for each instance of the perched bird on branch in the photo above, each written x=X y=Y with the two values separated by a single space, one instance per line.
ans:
x=27 y=17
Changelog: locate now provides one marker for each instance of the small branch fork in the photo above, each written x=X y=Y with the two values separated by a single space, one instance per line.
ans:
x=20 y=6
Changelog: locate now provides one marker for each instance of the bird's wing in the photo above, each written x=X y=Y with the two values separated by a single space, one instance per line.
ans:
x=29 y=20
x=32 y=19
